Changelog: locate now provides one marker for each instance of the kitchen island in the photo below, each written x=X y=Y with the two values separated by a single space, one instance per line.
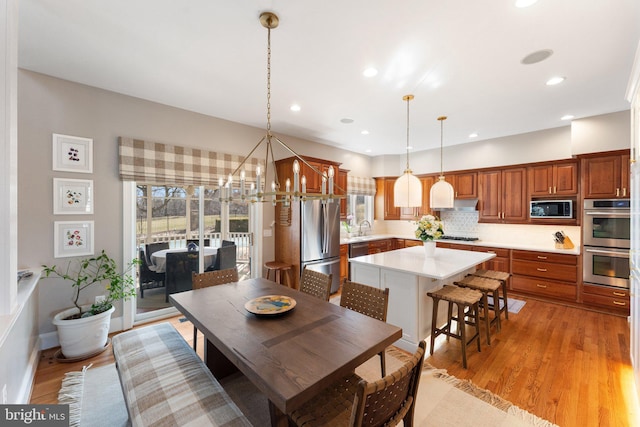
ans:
x=409 y=275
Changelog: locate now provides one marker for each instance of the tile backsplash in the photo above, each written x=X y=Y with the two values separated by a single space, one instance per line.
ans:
x=463 y=224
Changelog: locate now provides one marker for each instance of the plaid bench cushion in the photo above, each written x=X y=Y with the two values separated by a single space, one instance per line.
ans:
x=166 y=384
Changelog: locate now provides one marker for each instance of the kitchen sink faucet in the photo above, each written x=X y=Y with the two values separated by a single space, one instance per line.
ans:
x=366 y=222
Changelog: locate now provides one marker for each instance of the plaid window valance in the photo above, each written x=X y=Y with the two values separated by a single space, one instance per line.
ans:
x=153 y=162
x=361 y=186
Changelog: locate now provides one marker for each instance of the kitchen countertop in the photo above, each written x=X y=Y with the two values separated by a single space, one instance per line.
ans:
x=445 y=263
x=526 y=246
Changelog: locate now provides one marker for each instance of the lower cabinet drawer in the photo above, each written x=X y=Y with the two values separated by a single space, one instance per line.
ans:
x=532 y=285
x=618 y=303
x=567 y=273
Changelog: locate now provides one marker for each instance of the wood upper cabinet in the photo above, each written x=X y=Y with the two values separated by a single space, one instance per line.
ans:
x=606 y=176
x=465 y=185
x=502 y=195
x=390 y=210
x=314 y=180
x=427 y=182
x=341 y=182
x=553 y=180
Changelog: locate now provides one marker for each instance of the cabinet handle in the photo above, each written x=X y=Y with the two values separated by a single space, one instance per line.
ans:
x=549 y=190
x=619 y=303
x=624 y=192
x=456 y=194
x=544 y=270
x=541 y=286
x=619 y=294
x=617 y=192
x=542 y=257
x=554 y=189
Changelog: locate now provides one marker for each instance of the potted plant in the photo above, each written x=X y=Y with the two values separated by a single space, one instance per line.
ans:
x=83 y=330
x=429 y=230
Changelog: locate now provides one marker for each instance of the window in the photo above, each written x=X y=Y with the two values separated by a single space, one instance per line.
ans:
x=361 y=207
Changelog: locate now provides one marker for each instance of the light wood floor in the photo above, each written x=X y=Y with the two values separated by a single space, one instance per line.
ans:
x=567 y=365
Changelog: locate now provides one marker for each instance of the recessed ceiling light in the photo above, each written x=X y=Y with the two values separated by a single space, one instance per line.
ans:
x=370 y=72
x=537 y=56
x=346 y=120
x=567 y=117
x=473 y=135
x=409 y=147
x=555 y=80
x=295 y=107
x=368 y=150
x=525 y=3
x=365 y=132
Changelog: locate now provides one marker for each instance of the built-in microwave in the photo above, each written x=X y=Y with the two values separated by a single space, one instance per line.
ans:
x=551 y=209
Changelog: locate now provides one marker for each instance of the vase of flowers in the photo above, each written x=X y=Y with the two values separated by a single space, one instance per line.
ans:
x=348 y=224
x=429 y=230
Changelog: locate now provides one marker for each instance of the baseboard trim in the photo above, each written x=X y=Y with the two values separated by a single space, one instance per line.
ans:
x=24 y=395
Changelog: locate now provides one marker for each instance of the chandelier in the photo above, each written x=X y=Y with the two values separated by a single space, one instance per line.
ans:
x=295 y=191
x=407 y=190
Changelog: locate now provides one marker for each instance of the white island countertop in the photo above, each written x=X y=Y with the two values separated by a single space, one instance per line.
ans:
x=444 y=264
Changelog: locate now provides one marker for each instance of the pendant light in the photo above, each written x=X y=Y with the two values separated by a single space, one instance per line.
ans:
x=407 y=190
x=441 y=191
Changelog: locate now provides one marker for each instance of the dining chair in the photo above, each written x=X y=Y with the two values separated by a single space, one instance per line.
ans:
x=315 y=283
x=148 y=279
x=150 y=248
x=178 y=269
x=211 y=278
x=367 y=300
x=353 y=401
x=206 y=242
x=225 y=258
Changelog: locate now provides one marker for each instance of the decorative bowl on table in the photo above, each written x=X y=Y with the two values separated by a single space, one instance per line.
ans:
x=270 y=304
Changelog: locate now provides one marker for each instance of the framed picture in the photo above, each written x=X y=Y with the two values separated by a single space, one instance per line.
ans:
x=72 y=238
x=72 y=196
x=72 y=154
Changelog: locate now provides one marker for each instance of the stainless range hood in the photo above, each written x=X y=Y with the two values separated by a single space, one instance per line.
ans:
x=463 y=205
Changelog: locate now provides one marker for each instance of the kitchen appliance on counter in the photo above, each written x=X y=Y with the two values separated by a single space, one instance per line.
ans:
x=320 y=238
x=606 y=236
x=551 y=209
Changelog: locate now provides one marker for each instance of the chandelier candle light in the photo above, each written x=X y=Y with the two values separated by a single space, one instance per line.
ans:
x=441 y=193
x=407 y=190
x=270 y=21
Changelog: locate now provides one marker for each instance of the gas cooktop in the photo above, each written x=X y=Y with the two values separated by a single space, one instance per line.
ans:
x=464 y=239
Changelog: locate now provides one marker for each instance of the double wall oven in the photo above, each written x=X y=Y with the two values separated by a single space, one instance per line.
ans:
x=606 y=236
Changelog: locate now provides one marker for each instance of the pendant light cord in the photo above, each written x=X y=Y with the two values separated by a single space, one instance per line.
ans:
x=408 y=99
x=441 y=119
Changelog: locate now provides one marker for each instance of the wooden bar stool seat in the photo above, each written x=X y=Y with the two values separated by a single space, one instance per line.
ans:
x=502 y=277
x=488 y=287
x=278 y=268
x=467 y=301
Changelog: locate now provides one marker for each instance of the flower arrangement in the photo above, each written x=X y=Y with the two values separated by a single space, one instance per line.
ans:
x=429 y=228
x=348 y=223
x=89 y=271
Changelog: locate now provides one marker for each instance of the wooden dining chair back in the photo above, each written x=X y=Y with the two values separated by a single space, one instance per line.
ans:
x=354 y=402
x=316 y=283
x=367 y=300
x=211 y=278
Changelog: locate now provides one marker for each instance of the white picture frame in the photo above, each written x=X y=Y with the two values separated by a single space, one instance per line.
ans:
x=72 y=196
x=72 y=153
x=72 y=238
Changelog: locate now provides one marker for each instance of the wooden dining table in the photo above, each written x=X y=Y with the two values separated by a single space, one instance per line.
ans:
x=290 y=357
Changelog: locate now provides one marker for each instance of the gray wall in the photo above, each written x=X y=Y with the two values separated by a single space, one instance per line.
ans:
x=48 y=105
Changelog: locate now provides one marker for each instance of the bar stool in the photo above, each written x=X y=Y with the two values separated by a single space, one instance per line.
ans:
x=502 y=277
x=278 y=268
x=464 y=298
x=488 y=287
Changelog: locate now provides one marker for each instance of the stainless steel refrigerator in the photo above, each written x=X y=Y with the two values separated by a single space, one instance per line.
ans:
x=320 y=238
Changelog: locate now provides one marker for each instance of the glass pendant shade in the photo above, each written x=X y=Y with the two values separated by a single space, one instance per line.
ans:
x=407 y=191
x=441 y=194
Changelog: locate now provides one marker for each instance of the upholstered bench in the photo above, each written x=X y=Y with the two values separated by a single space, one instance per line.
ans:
x=166 y=384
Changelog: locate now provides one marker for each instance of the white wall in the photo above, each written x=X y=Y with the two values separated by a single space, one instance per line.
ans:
x=591 y=134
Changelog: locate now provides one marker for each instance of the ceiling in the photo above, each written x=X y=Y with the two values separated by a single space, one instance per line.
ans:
x=459 y=58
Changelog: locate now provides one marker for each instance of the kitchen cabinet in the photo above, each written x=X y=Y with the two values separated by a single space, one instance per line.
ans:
x=377 y=246
x=410 y=242
x=616 y=300
x=447 y=245
x=344 y=263
x=560 y=179
x=341 y=189
x=390 y=210
x=545 y=274
x=606 y=176
x=502 y=195
x=499 y=263
x=314 y=180
x=465 y=185
x=427 y=183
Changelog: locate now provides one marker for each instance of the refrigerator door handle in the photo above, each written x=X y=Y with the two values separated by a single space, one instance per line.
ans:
x=325 y=228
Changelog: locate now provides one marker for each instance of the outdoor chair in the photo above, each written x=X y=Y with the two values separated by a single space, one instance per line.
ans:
x=316 y=283
x=211 y=278
x=147 y=278
x=178 y=269
x=225 y=258
x=149 y=250
x=367 y=300
x=353 y=401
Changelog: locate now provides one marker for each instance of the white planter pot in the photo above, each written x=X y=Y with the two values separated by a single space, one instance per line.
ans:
x=429 y=248
x=84 y=336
